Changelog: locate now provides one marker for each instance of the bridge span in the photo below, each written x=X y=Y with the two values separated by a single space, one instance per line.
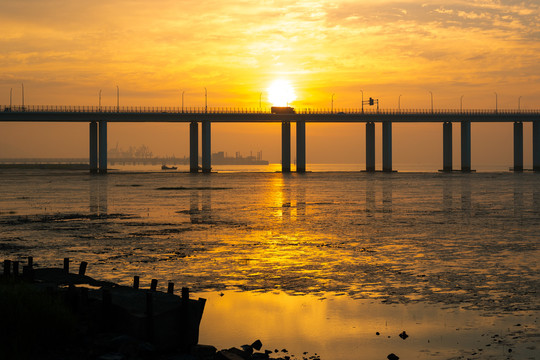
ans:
x=98 y=117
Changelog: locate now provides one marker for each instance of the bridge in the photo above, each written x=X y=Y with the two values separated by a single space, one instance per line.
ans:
x=98 y=117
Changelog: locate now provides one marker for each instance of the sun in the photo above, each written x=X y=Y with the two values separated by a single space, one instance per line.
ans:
x=281 y=93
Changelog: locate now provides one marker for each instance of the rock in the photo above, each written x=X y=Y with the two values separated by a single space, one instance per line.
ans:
x=228 y=355
x=204 y=352
x=403 y=335
x=243 y=354
x=268 y=352
x=377 y=333
x=248 y=349
x=257 y=344
x=260 y=356
x=392 y=356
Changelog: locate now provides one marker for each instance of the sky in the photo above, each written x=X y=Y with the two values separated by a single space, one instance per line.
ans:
x=65 y=52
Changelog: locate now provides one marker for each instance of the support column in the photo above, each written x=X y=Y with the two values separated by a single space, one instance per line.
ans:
x=93 y=147
x=447 y=146
x=387 y=146
x=206 y=147
x=518 y=146
x=102 y=147
x=301 y=146
x=285 y=147
x=465 y=146
x=370 y=146
x=194 y=147
x=536 y=145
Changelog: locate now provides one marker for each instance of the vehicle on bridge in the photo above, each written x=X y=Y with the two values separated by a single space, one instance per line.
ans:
x=282 y=110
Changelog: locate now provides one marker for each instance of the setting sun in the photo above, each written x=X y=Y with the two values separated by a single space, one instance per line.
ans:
x=281 y=93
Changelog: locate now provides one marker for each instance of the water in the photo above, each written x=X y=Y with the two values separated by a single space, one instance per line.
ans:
x=313 y=263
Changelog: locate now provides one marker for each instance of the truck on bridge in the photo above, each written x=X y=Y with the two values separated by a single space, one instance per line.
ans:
x=282 y=110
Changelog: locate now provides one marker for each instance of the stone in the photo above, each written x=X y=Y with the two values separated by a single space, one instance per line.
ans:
x=260 y=356
x=247 y=349
x=257 y=344
x=392 y=356
x=403 y=335
x=204 y=352
x=227 y=355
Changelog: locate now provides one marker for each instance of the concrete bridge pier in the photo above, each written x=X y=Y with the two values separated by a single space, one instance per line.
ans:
x=103 y=147
x=536 y=144
x=518 y=146
x=370 y=147
x=387 y=146
x=206 y=147
x=465 y=146
x=194 y=147
x=93 y=147
x=447 y=146
x=285 y=147
x=301 y=146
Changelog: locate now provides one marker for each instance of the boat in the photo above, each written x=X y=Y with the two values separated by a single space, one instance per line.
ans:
x=165 y=167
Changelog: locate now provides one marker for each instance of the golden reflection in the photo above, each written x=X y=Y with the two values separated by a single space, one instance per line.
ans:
x=98 y=195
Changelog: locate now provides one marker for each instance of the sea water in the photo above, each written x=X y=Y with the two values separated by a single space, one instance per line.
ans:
x=318 y=262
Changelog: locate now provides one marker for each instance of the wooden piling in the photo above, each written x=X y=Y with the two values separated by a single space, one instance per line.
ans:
x=15 y=268
x=7 y=267
x=136 y=282
x=30 y=261
x=170 y=288
x=153 y=285
x=82 y=268
x=66 y=265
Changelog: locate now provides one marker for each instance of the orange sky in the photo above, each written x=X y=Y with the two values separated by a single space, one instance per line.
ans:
x=66 y=51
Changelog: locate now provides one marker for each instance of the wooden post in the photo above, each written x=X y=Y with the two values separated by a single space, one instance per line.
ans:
x=82 y=267
x=170 y=288
x=136 y=282
x=66 y=265
x=30 y=261
x=153 y=285
x=15 y=268
x=7 y=267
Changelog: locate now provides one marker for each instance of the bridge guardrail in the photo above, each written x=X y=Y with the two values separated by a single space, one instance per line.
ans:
x=239 y=110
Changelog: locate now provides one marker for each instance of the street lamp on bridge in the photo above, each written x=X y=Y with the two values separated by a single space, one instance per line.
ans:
x=117 y=98
x=519 y=103
x=399 y=102
x=99 y=101
x=362 y=91
x=332 y=106
x=183 y=101
x=205 y=100
x=431 y=93
x=461 y=103
x=10 y=98
x=496 y=102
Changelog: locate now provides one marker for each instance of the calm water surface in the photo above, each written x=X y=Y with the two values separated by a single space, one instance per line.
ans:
x=317 y=262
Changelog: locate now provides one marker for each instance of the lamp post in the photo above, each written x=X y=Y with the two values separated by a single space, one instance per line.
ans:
x=10 y=98
x=431 y=93
x=519 y=103
x=496 y=102
x=332 y=107
x=399 y=102
x=99 y=101
x=461 y=103
x=22 y=89
x=205 y=100
x=260 y=101
x=183 y=101
x=117 y=98
x=362 y=91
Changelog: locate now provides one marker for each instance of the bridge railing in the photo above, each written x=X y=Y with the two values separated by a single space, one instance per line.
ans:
x=240 y=110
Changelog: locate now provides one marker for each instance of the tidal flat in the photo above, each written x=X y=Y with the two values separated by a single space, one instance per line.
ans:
x=316 y=263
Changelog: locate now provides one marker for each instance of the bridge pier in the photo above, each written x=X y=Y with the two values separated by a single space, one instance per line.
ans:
x=447 y=146
x=536 y=144
x=518 y=146
x=370 y=146
x=285 y=147
x=387 y=146
x=194 y=147
x=93 y=147
x=206 y=147
x=301 y=146
x=466 y=146
x=103 y=147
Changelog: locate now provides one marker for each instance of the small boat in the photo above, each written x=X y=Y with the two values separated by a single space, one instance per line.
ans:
x=165 y=167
